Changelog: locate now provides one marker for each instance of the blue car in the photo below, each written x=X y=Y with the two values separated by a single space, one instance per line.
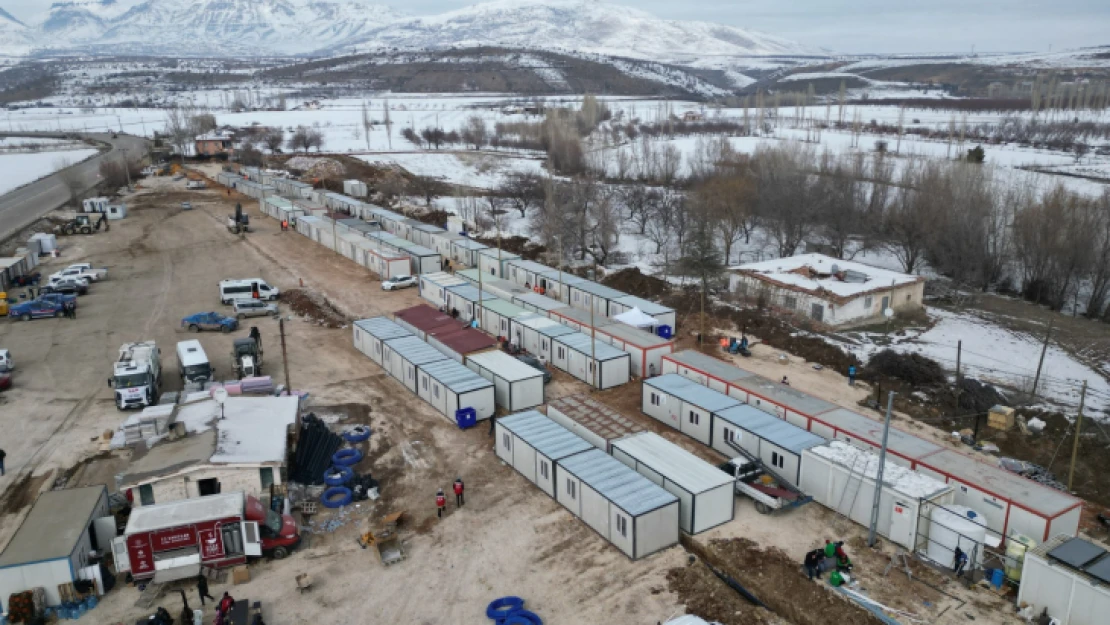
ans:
x=210 y=321
x=36 y=309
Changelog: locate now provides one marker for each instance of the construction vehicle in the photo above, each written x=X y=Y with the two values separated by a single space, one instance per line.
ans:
x=385 y=541
x=137 y=375
x=238 y=223
x=246 y=355
x=83 y=223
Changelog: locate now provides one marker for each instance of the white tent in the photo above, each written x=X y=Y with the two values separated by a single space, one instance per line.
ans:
x=636 y=318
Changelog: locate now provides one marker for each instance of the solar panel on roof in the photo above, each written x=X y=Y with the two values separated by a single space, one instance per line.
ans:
x=1100 y=570
x=1076 y=553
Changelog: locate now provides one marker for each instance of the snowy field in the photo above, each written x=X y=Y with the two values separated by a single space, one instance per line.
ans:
x=994 y=354
x=478 y=170
x=20 y=169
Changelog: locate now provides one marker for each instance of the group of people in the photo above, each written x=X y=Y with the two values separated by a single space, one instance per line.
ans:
x=223 y=606
x=441 y=499
x=831 y=556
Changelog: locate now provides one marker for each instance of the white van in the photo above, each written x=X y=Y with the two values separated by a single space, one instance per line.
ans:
x=193 y=362
x=252 y=288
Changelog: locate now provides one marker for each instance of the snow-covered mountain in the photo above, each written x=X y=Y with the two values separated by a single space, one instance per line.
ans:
x=578 y=26
x=294 y=27
x=16 y=39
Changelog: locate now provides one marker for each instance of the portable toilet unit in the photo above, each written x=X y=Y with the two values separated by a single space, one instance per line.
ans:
x=594 y=421
x=464 y=298
x=370 y=336
x=684 y=405
x=622 y=506
x=433 y=286
x=663 y=315
x=842 y=478
x=705 y=493
x=573 y=353
x=403 y=356
x=493 y=262
x=533 y=444
x=449 y=387
x=777 y=444
x=516 y=385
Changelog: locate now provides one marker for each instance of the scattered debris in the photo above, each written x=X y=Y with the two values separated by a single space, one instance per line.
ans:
x=315 y=308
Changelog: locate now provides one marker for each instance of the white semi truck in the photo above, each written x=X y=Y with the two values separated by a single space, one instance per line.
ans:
x=137 y=375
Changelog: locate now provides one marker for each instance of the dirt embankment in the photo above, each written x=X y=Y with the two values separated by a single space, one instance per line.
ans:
x=777 y=580
x=634 y=282
x=314 y=306
x=704 y=594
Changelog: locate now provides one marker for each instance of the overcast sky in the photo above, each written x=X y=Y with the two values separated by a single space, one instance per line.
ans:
x=855 y=25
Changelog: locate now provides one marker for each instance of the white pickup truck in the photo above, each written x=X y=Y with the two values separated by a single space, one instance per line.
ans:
x=83 y=271
x=767 y=490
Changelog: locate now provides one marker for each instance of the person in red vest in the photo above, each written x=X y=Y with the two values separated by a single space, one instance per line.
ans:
x=441 y=503
x=459 y=500
x=284 y=225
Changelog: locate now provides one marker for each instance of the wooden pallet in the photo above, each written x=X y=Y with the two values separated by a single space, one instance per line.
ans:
x=68 y=593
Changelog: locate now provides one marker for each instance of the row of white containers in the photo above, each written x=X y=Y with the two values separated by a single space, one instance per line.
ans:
x=443 y=383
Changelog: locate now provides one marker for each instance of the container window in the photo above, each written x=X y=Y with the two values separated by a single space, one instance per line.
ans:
x=543 y=470
x=778 y=459
x=505 y=442
x=572 y=488
x=695 y=418
x=656 y=400
x=146 y=495
x=266 y=477
x=622 y=526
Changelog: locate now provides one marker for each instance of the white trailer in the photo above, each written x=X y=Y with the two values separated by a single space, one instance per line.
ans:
x=842 y=478
x=1068 y=577
x=684 y=406
x=403 y=356
x=704 y=492
x=595 y=362
x=533 y=444
x=450 y=387
x=433 y=286
x=624 y=507
x=371 y=334
x=516 y=385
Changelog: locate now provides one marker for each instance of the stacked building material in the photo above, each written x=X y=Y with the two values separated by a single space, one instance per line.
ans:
x=261 y=385
x=315 y=446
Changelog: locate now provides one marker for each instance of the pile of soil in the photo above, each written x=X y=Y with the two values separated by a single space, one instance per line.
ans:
x=517 y=245
x=317 y=167
x=978 y=397
x=314 y=307
x=432 y=218
x=705 y=595
x=778 y=581
x=634 y=282
x=912 y=368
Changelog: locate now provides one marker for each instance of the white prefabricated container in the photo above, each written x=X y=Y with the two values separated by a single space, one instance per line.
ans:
x=385 y=264
x=662 y=314
x=433 y=287
x=503 y=289
x=450 y=387
x=403 y=356
x=526 y=273
x=1053 y=579
x=540 y=304
x=842 y=478
x=464 y=298
x=684 y=405
x=600 y=365
x=705 y=493
x=465 y=251
x=535 y=333
x=624 y=507
x=556 y=284
x=646 y=349
x=498 y=315
x=355 y=188
x=319 y=229
x=443 y=243
x=777 y=444
x=371 y=334
x=493 y=262
x=599 y=424
x=585 y=294
x=425 y=234
x=533 y=444
x=516 y=385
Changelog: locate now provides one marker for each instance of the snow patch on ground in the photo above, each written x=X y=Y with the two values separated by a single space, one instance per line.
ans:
x=20 y=169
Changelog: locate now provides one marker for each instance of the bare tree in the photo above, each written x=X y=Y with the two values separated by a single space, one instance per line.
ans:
x=474 y=132
x=523 y=190
x=367 y=123
x=433 y=136
x=273 y=139
x=314 y=139
x=388 y=123
x=789 y=196
x=300 y=139
x=178 y=131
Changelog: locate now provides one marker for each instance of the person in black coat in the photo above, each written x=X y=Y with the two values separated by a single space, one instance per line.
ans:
x=812 y=563
x=202 y=590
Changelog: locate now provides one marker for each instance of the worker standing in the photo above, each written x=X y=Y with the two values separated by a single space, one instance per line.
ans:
x=441 y=503
x=4 y=454
x=226 y=603
x=812 y=562
x=851 y=375
x=459 y=500
x=202 y=590
x=960 y=562
x=785 y=381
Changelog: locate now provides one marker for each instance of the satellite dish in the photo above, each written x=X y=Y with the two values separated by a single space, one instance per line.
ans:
x=888 y=313
x=220 y=395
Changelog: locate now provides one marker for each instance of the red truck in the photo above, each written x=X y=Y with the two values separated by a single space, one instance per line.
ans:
x=173 y=540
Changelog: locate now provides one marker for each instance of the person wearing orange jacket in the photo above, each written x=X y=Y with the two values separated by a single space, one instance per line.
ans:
x=441 y=503
x=459 y=500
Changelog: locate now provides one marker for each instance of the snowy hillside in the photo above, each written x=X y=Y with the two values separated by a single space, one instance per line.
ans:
x=578 y=26
x=292 y=27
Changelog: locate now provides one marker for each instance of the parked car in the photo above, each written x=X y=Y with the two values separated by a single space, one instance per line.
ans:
x=210 y=321
x=35 y=309
x=186 y=206
x=253 y=308
x=58 y=279
x=398 y=282
x=60 y=298
x=83 y=271
x=535 y=363
x=6 y=362
x=65 y=288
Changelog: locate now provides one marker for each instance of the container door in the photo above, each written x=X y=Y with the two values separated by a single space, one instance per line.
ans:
x=119 y=553
x=252 y=543
x=901 y=524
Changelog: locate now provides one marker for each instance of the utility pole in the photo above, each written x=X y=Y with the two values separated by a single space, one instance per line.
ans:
x=1040 y=363
x=959 y=352
x=879 y=477
x=1078 y=428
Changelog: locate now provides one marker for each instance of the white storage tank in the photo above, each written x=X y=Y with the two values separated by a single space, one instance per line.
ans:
x=956 y=526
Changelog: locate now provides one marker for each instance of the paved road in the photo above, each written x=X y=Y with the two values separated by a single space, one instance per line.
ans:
x=26 y=204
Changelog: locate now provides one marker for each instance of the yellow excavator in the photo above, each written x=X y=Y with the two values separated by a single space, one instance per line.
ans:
x=385 y=541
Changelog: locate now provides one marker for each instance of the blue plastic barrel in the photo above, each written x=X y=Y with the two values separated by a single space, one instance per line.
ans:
x=664 y=332
x=997 y=577
x=466 y=417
